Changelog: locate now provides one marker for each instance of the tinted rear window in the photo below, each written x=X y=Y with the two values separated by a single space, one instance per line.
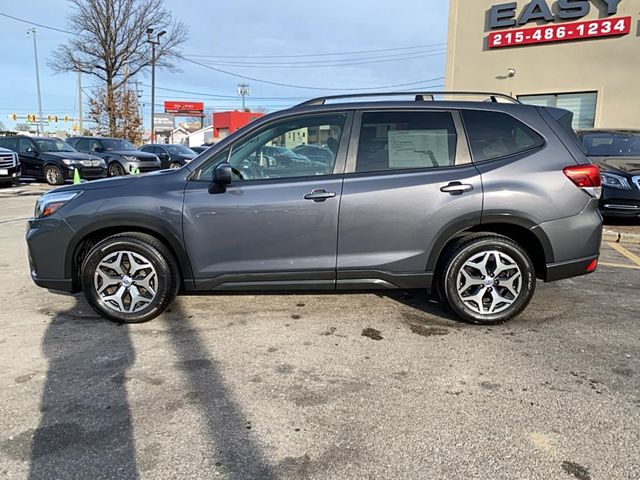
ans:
x=495 y=135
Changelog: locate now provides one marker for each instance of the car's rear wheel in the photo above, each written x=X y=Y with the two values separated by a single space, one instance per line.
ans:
x=53 y=175
x=487 y=279
x=115 y=169
x=130 y=277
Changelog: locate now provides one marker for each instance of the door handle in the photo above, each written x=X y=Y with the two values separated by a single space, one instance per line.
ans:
x=456 y=188
x=319 y=195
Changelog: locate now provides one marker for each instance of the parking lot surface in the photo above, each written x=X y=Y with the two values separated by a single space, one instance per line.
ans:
x=320 y=386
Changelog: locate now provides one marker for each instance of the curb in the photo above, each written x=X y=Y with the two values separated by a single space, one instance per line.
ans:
x=620 y=237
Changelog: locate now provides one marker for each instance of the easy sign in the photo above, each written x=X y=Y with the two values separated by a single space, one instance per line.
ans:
x=505 y=15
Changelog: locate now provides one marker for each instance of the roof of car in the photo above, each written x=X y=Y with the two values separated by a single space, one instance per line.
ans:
x=608 y=130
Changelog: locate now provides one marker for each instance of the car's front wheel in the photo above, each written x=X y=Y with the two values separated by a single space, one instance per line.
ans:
x=487 y=279
x=115 y=169
x=130 y=277
x=53 y=175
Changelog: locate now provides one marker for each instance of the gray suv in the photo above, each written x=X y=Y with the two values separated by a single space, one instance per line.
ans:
x=473 y=201
x=121 y=157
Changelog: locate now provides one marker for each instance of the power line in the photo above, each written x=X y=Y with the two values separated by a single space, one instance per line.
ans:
x=304 y=87
x=36 y=24
x=321 y=54
x=204 y=58
x=349 y=63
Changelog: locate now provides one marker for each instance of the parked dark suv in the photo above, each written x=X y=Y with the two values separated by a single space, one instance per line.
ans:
x=120 y=155
x=472 y=200
x=52 y=159
x=171 y=156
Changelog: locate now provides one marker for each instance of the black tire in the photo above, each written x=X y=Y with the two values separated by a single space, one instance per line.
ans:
x=464 y=249
x=115 y=169
x=158 y=255
x=53 y=175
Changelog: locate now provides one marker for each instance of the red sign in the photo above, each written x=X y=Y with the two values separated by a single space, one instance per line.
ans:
x=184 y=108
x=561 y=32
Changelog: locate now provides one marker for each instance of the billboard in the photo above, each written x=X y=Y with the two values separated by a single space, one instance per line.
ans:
x=163 y=122
x=183 y=108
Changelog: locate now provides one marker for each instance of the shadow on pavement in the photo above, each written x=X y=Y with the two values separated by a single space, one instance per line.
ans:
x=234 y=450
x=85 y=430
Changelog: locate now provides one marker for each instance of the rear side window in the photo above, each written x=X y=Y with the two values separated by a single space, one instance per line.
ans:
x=405 y=140
x=495 y=135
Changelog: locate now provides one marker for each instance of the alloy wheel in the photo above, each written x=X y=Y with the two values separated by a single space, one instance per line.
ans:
x=489 y=282
x=126 y=281
x=53 y=176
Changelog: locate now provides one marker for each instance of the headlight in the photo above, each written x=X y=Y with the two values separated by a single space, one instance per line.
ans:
x=614 y=181
x=70 y=162
x=129 y=158
x=50 y=203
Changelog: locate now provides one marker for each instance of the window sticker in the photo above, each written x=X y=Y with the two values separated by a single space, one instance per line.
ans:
x=418 y=148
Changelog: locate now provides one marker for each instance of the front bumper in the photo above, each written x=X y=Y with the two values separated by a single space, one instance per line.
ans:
x=13 y=174
x=88 y=173
x=143 y=166
x=47 y=240
x=616 y=202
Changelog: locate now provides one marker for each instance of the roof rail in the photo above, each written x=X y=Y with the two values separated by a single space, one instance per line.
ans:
x=418 y=96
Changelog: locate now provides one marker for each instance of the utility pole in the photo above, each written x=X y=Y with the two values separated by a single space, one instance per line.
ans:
x=80 y=125
x=32 y=32
x=153 y=75
x=138 y=91
x=243 y=90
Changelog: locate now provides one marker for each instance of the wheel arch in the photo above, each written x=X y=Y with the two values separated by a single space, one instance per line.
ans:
x=532 y=239
x=87 y=238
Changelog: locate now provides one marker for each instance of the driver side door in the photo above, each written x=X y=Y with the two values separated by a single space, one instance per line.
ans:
x=272 y=228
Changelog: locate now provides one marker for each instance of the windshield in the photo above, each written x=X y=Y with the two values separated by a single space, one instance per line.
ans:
x=179 y=150
x=53 y=145
x=611 y=144
x=116 y=144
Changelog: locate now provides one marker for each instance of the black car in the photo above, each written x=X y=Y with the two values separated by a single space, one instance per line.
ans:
x=200 y=149
x=52 y=159
x=313 y=152
x=617 y=153
x=120 y=155
x=171 y=156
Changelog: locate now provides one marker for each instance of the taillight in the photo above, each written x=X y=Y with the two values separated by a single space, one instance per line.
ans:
x=586 y=177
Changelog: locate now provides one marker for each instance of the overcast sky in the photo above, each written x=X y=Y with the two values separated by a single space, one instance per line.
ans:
x=248 y=32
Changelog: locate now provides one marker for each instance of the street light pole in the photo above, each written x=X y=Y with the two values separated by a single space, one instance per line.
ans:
x=153 y=75
x=32 y=32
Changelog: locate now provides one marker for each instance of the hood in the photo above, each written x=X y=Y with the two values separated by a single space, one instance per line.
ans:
x=97 y=184
x=72 y=155
x=133 y=153
x=622 y=165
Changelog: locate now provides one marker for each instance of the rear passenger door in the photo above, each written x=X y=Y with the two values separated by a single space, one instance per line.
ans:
x=409 y=182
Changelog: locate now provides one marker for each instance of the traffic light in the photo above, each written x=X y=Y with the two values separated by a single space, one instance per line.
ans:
x=66 y=118
x=14 y=117
x=55 y=118
x=31 y=118
x=49 y=117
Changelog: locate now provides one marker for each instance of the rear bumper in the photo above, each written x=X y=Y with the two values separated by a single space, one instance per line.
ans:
x=570 y=268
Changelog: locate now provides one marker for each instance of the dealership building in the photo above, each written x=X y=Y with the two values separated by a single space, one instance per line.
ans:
x=580 y=55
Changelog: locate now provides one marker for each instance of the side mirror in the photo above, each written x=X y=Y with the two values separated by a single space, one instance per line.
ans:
x=221 y=178
x=32 y=151
x=98 y=149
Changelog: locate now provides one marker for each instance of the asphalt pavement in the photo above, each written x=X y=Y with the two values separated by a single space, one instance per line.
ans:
x=376 y=386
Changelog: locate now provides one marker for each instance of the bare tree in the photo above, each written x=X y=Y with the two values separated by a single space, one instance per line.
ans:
x=128 y=123
x=111 y=43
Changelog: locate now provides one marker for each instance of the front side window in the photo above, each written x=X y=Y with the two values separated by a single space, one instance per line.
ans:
x=494 y=135
x=116 y=144
x=406 y=140
x=270 y=153
x=25 y=146
x=53 y=145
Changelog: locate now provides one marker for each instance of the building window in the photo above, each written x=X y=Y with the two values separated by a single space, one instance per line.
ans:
x=582 y=105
